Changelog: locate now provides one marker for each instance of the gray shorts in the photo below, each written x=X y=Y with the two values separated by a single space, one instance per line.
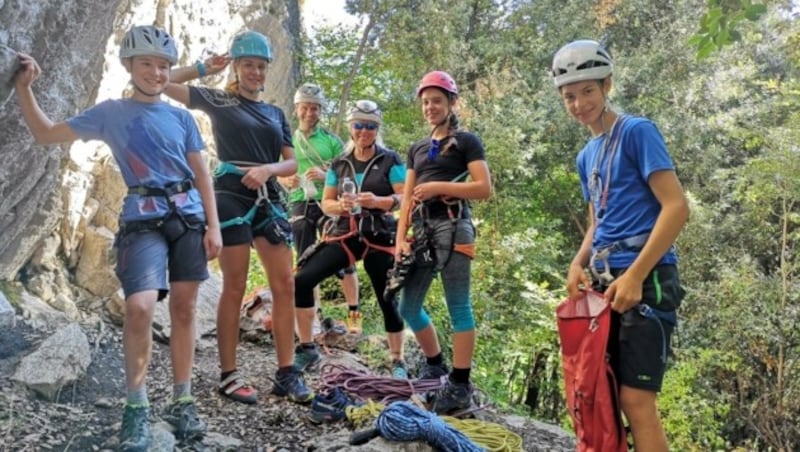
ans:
x=145 y=257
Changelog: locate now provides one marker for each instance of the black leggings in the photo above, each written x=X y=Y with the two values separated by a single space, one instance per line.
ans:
x=331 y=258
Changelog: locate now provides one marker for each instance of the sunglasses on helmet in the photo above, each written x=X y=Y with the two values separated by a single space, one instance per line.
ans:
x=366 y=107
x=310 y=90
x=365 y=125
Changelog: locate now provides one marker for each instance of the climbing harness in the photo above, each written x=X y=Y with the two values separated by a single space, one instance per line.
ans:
x=357 y=224
x=602 y=253
x=262 y=200
x=171 y=230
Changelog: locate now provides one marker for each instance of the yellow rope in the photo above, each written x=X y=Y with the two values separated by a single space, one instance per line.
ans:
x=361 y=416
x=493 y=437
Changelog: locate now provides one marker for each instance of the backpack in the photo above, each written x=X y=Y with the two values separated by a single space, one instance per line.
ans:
x=591 y=388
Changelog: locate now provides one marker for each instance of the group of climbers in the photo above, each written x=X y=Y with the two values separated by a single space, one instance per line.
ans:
x=175 y=217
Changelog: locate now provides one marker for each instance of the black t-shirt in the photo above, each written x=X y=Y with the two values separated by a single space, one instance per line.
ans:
x=245 y=131
x=447 y=165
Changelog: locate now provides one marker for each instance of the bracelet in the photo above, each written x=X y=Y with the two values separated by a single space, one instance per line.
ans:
x=395 y=203
x=201 y=68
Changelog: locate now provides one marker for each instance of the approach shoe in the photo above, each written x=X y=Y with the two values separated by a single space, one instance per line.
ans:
x=399 y=369
x=433 y=372
x=354 y=320
x=306 y=358
x=235 y=387
x=330 y=406
x=182 y=414
x=453 y=397
x=135 y=433
x=292 y=386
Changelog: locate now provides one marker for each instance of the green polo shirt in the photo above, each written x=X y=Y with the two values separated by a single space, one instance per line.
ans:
x=317 y=150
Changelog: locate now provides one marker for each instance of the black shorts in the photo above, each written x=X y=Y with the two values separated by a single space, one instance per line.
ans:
x=269 y=220
x=639 y=345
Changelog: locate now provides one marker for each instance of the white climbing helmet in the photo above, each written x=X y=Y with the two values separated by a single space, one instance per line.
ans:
x=309 y=92
x=147 y=40
x=579 y=61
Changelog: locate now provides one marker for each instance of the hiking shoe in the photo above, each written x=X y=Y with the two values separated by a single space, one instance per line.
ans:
x=306 y=358
x=292 y=386
x=399 y=369
x=354 y=322
x=182 y=414
x=330 y=406
x=135 y=434
x=453 y=397
x=235 y=387
x=431 y=372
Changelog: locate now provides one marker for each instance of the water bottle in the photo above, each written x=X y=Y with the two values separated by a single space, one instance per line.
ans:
x=349 y=191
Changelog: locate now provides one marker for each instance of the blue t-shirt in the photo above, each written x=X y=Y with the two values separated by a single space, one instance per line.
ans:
x=631 y=208
x=150 y=142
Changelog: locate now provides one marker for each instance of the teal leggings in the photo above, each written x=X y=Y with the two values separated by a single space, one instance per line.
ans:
x=455 y=279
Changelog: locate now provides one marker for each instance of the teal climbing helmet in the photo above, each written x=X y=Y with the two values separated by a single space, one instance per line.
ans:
x=251 y=44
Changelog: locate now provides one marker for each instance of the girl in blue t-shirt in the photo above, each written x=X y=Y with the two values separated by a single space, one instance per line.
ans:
x=637 y=208
x=168 y=222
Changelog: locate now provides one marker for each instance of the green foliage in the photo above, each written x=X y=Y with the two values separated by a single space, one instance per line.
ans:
x=718 y=24
x=729 y=121
x=692 y=408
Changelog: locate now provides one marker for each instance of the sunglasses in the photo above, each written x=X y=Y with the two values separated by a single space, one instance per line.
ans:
x=365 y=125
x=434 y=149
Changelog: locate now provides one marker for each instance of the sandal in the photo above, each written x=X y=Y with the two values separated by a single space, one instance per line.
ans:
x=235 y=387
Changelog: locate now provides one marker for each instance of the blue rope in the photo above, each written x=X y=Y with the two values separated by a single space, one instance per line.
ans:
x=404 y=421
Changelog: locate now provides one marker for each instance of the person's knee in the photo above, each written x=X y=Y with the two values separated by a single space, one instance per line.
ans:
x=183 y=312
x=462 y=318
x=138 y=313
x=415 y=317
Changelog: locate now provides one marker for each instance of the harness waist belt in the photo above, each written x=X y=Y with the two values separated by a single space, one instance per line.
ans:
x=170 y=190
x=439 y=209
x=630 y=244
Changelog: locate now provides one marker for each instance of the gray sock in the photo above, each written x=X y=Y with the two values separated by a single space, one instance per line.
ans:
x=137 y=397
x=182 y=391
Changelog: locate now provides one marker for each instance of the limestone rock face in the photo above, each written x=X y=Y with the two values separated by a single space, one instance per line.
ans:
x=48 y=191
x=65 y=36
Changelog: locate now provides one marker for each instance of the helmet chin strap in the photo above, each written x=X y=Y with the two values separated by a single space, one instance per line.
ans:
x=143 y=92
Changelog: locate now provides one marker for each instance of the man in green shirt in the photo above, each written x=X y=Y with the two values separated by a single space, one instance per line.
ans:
x=315 y=147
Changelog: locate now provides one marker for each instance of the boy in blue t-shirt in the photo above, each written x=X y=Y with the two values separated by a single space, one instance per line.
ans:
x=168 y=222
x=637 y=208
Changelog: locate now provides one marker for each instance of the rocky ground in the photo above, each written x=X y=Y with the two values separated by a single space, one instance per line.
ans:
x=86 y=414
